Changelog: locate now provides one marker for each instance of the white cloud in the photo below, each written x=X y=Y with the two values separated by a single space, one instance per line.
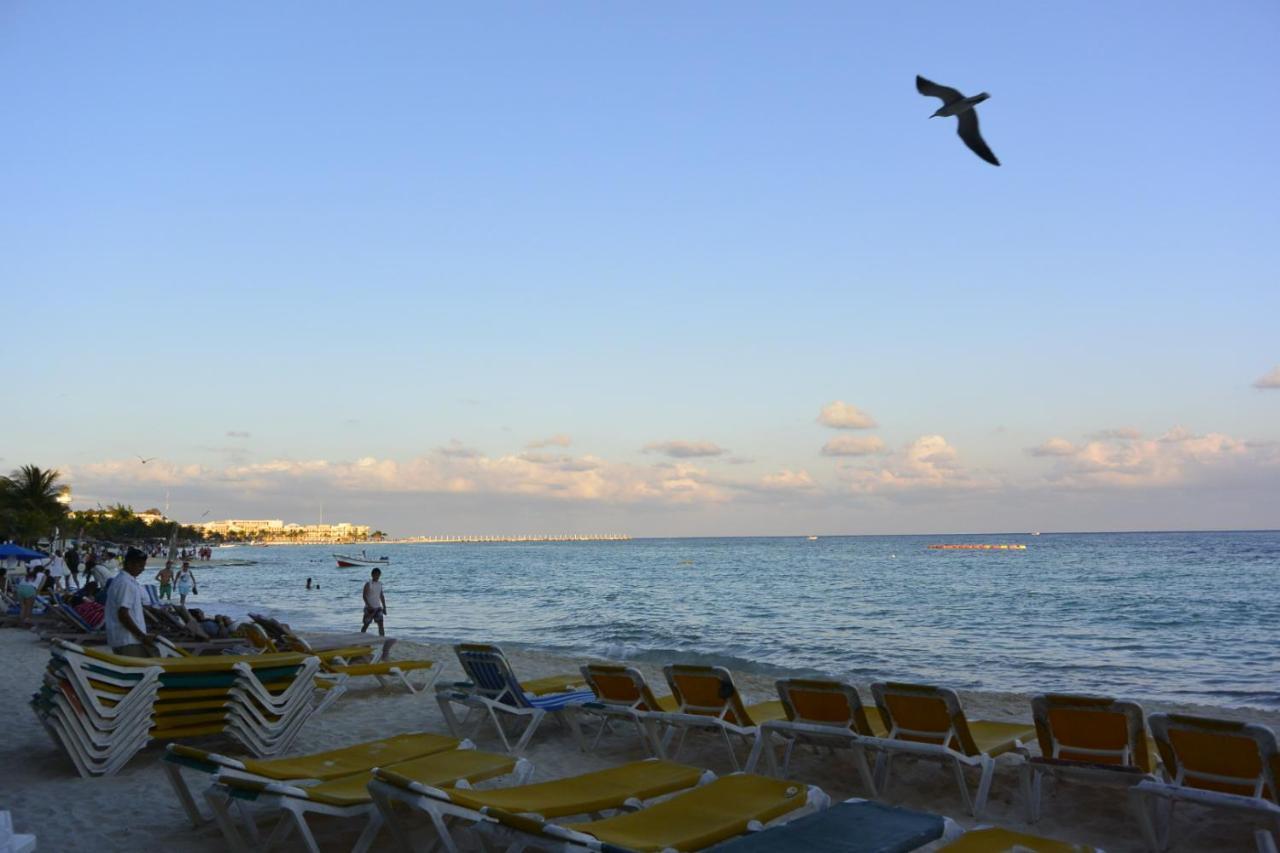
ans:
x=788 y=480
x=854 y=445
x=1053 y=447
x=557 y=440
x=842 y=415
x=677 y=449
x=1269 y=381
x=929 y=463
x=1124 y=459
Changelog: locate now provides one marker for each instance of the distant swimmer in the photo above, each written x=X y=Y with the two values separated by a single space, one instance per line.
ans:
x=956 y=104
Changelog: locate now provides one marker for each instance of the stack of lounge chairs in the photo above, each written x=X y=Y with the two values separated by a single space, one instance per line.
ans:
x=102 y=709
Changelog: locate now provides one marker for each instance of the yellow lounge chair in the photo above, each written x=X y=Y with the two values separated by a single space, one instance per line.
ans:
x=621 y=693
x=996 y=840
x=1222 y=764
x=929 y=722
x=695 y=820
x=625 y=786
x=820 y=712
x=296 y=770
x=1095 y=739
x=346 y=796
x=707 y=698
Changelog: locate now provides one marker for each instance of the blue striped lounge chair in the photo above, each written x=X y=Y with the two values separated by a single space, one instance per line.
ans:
x=493 y=689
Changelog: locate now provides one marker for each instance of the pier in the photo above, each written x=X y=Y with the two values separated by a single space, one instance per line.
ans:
x=474 y=540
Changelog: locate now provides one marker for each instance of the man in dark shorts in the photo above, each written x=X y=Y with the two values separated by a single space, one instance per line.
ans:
x=375 y=603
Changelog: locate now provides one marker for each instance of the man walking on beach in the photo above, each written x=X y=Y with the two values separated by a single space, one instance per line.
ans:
x=375 y=603
x=126 y=623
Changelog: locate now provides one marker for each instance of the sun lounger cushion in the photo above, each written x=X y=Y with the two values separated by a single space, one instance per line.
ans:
x=854 y=827
x=701 y=817
x=323 y=765
x=995 y=840
x=589 y=792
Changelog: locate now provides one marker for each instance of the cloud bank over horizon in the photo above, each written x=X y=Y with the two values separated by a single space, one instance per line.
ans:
x=1111 y=476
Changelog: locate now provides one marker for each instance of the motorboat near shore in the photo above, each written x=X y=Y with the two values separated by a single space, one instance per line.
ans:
x=347 y=561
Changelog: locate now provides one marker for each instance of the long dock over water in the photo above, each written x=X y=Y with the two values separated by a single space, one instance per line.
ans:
x=571 y=537
x=977 y=547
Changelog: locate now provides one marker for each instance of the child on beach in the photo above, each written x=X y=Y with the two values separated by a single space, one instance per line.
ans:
x=165 y=577
x=375 y=603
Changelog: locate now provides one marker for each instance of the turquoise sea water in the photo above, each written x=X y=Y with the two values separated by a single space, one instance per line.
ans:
x=1188 y=617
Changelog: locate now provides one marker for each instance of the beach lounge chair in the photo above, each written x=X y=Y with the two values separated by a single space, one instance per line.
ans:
x=821 y=713
x=103 y=708
x=929 y=722
x=621 y=693
x=296 y=770
x=992 y=839
x=493 y=689
x=853 y=826
x=345 y=797
x=1220 y=764
x=707 y=698
x=625 y=786
x=729 y=807
x=1093 y=739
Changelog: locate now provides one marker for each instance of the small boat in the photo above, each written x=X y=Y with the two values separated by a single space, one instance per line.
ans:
x=346 y=561
x=813 y=538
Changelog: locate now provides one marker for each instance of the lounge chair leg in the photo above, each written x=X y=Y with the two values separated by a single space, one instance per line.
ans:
x=1029 y=782
x=218 y=803
x=183 y=790
x=988 y=765
x=884 y=763
x=963 y=784
x=753 y=758
x=787 y=753
x=370 y=833
x=534 y=721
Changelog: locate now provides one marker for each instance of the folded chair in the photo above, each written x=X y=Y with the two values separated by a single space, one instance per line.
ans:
x=1221 y=764
x=345 y=797
x=929 y=722
x=854 y=826
x=729 y=807
x=1093 y=739
x=819 y=712
x=626 y=786
x=707 y=698
x=621 y=693
x=493 y=689
x=299 y=770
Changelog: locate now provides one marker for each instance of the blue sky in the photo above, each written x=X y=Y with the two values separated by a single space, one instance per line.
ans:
x=426 y=238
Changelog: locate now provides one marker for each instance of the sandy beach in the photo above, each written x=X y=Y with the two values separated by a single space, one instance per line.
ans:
x=137 y=810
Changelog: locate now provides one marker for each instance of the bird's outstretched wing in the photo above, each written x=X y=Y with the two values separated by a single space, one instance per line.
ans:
x=933 y=90
x=968 y=131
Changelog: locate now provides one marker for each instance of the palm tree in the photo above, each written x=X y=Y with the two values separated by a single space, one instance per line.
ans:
x=29 y=502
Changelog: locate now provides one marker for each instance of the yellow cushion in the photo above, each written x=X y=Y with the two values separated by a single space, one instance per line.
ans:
x=1006 y=841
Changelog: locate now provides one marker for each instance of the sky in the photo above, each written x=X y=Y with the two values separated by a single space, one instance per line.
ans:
x=655 y=269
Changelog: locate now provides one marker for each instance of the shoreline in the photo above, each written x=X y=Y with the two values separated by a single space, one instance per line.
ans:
x=136 y=808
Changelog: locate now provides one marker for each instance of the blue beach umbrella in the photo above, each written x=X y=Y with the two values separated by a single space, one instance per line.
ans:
x=8 y=550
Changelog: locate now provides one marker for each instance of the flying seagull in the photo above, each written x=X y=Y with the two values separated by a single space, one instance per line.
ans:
x=144 y=461
x=956 y=104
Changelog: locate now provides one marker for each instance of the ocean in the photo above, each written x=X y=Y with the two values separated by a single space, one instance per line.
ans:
x=1183 y=617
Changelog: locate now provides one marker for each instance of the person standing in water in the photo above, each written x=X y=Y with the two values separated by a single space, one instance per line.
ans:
x=375 y=603
x=186 y=582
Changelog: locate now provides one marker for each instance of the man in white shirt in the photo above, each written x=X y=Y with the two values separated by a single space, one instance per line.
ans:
x=375 y=603
x=125 y=620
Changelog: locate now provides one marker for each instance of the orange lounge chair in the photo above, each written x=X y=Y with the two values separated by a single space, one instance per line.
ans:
x=621 y=693
x=1222 y=764
x=929 y=722
x=707 y=698
x=819 y=712
x=1095 y=739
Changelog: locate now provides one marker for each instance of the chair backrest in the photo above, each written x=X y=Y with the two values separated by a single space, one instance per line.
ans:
x=707 y=691
x=1096 y=729
x=487 y=668
x=75 y=620
x=1218 y=755
x=924 y=714
x=619 y=685
x=257 y=637
x=824 y=702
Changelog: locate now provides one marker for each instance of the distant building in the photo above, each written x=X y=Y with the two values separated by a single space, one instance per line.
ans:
x=152 y=516
x=276 y=531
